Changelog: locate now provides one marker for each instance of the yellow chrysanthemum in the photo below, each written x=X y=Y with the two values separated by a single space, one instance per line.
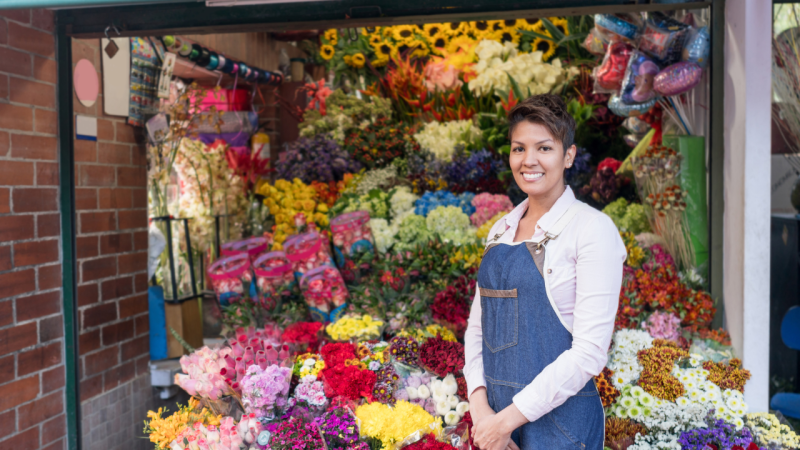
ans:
x=404 y=33
x=332 y=36
x=548 y=48
x=456 y=28
x=561 y=23
x=326 y=52
x=432 y=29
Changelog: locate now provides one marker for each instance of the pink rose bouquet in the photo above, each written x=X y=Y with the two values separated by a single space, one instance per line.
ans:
x=441 y=76
x=201 y=375
x=487 y=206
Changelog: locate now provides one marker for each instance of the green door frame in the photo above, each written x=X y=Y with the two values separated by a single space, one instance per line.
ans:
x=189 y=18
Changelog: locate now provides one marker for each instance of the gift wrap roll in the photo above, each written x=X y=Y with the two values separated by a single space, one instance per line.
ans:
x=693 y=179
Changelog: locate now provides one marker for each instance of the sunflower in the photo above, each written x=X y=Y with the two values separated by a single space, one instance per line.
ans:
x=511 y=24
x=358 y=60
x=460 y=42
x=506 y=35
x=438 y=43
x=380 y=62
x=456 y=28
x=432 y=29
x=375 y=39
x=384 y=50
x=332 y=36
x=548 y=48
x=398 y=50
x=420 y=48
x=530 y=24
x=540 y=28
x=480 y=28
x=560 y=23
x=403 y=33
x=495 y=25
x=326 y=52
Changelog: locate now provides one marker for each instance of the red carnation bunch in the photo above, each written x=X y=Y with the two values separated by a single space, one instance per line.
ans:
x=451 y=305
x=303 y=334
x=429 y=442
x=442 y=357
x=462 y=387
x=338 y=353
x=350 y=382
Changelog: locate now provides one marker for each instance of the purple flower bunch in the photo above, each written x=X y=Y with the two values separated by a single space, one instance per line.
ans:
x=294 y=434
x=475 y=172
x=579 y=166
x=719 y=433
x=317 y=159
x=338 y=427
x=265 y=390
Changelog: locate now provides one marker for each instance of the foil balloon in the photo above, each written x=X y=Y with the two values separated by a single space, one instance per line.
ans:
x=664 y=38
x=619 y=108
x=698 y=46
x=677 y=78
x=636 y=125
x=632 y=139
x=609 y=75
x=617 y=25
x=638 y=84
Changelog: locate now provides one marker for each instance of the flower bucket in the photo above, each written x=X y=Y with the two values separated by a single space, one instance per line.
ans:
x=325 y=293
x=228 y=277
x=274 y=276
x=351 y=235
x=227 y=100
x=307 y=251
x=252 y=247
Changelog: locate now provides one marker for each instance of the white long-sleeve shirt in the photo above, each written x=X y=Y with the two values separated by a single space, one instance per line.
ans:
x=583 y=277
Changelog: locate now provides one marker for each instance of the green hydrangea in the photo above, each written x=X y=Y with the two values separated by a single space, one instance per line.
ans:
x=635 y=219
x=616 y=210
x=411 y=231
x=451 y=224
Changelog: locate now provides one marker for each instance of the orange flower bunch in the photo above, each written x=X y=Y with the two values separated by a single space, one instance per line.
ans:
x=730 y=376
x=720 y=335
x=672 y=199
x=327 y=193
x=608 y=393
x=657 y=362
x=621 y=433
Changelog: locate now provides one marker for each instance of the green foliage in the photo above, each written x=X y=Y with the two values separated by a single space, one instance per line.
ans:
x=344 y=113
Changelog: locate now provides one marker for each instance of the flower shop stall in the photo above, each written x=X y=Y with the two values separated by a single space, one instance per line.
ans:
x=345 y=301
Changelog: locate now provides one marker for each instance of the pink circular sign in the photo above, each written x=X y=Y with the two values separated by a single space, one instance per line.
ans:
x=86 y=84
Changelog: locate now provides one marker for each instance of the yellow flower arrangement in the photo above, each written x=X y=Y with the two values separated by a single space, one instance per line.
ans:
x=356 y=60
x=479 y=28
x=483 y=230
x=164 y=430
x=391 y=425
x=560 y=23
x=530 y=24
x=548 y=48
x=326 y=52
x=456 y=28
x=505 y=35
x=375 y=40
x=303 y=369
x=332 y=36
x=286 y=199
x=432 y=29
x=359 y=327
x=512 y=24
x=403 y=33
x=768 y=432
x=464 y=43
x=635 y=253
x=428 y=332
x=420 y=48
x=468 y=256
x=438 y=43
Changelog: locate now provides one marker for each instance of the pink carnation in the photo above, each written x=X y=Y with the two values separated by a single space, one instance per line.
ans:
x=487 y=206
x=663 y=325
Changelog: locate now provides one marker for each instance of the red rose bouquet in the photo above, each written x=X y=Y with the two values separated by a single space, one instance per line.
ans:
x=442 y=357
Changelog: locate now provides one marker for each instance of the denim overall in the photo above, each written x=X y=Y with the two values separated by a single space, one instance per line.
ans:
x=521 y=336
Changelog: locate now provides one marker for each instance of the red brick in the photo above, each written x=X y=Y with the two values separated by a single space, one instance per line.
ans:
x=34 y=147
x=5 y=200
x=5 y=258
x=119 y=375
x=8 y=420
x=16 y=228
x=115 y=243
x=140 y=240
x=5 y=143
x=6 y=313
x=140 y=198
x=39 y=305
x=113 y=153
x=26 y=439
x=116 y=288
x=35 y=200
x=88 y=294
x=7 y=368
x=49 y=277
x=111 y=198
x=132 y=219
x=99 y=315
x=16 y=62
x=140 y=282
x=16 y=173
x=91 y=387
x=126 y=133
x=89 y=342
x=38 y=359
x=46 y=174
x=105 y=130
x=57 y=445
x=130 y=176
x=142 y=324
x=132 y=306
x=19 y=15
x=132 y=262
x=118 y=332
x=18 y=392
x=53 y=429
x=33 y=93
x=45 y=121
x=96 y=176
x=85 y=151
x=95 y=222
x=3 y=78
x=45 y=70
x=85 y=199
x=98 y=268
x=41 y=410
x=3 y=32
x=43 y=19
x=53 y=379
x=139 y=155
x=48 y=225
x=35 y=252
x=18 y=337
x=86 y=246
x=136 y=347
x=16 y=283
x=101 y=361
x=31 y=40
x=51 y=328
x=142 y=365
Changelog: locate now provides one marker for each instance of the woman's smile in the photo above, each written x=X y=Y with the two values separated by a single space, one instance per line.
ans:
x=532 y=177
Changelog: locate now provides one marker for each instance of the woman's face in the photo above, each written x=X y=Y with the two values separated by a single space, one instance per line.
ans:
x=538 y=160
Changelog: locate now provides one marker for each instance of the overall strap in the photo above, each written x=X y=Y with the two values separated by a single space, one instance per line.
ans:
x=537 y=248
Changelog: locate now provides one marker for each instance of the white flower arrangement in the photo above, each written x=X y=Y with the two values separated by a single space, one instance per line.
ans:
x=441 y=138
x=623 y=359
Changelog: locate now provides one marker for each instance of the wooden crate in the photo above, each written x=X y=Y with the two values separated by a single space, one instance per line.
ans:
x=186 y=320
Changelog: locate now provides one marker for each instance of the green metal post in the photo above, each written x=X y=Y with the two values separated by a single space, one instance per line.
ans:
x=716 y=157
x=66 y=164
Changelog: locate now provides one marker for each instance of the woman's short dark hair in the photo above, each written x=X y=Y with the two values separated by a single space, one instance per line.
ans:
x=550 y=111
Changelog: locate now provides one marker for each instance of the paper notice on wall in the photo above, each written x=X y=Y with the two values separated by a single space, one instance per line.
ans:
x=117 y=78
x=86 y=128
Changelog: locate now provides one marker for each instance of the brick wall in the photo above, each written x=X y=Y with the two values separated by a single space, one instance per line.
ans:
x=31 y=328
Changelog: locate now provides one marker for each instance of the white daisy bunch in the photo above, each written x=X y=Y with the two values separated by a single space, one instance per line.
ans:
x=665 y=423
x=442 y=138
x=727 y=404
x=633 y=403
x=769 y=432
x=623 y=359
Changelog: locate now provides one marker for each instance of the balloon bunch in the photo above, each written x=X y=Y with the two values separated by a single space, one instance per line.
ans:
x=647 y=60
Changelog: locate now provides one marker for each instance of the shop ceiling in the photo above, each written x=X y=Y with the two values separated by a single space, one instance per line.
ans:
x=195 y=17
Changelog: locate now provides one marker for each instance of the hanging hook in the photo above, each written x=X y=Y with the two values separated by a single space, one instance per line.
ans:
x=352 y=34
x=115 y=29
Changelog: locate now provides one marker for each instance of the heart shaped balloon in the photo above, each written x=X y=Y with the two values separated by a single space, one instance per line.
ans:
x=609 y=75
x=677 y=78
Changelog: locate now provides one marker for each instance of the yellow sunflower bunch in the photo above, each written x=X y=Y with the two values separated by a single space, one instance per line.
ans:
x=285 y=200
x=547 y=47
x=329 y=40
x=164 y=430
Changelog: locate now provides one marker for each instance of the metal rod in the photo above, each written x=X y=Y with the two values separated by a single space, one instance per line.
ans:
x=69 y=263
x=171 y=258
x=716 y=158
x=191 y=256
x=216 y=236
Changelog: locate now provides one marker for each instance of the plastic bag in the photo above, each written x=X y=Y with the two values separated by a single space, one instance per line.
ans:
x=307 y=251
x=252 y=247
x=608 y=76
x=416 y=436
x=274 y=277
x=637 y=85
x=230 y=278
x=351 y=234
x=617 y=27
x=596 y=42
x=457 y=436
x=325 y=293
